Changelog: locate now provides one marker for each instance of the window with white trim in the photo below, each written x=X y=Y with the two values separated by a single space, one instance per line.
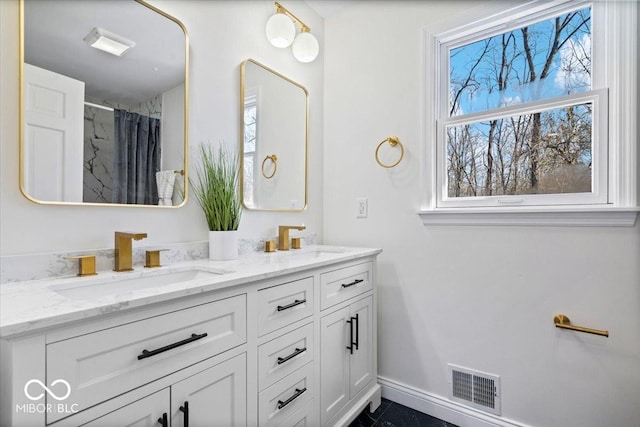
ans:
x=522 y=110
x=250 y=123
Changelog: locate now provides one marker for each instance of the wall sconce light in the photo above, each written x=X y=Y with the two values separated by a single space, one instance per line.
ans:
x=281 y=32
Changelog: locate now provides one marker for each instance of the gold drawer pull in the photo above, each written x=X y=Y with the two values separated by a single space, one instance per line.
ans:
x=563 y=322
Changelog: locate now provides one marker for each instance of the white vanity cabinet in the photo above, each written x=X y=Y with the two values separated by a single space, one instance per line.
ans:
x=112 y=361
x=270 y=350
x=286 y=360
x=347 y=340
x=215 y=396
x=142 y=413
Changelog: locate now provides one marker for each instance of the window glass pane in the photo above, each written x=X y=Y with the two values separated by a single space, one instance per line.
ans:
x=542 y=60
x=250 y=141
x=250 y=123
x=547 y=152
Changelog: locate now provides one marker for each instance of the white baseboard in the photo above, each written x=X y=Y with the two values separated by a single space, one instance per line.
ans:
x=373 y=396
x=440 y=407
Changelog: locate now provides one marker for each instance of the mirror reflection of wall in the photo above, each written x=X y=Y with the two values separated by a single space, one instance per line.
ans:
x=129 y=139
x=275 y=125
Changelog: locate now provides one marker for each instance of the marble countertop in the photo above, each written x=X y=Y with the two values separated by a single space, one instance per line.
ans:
x=29 y=306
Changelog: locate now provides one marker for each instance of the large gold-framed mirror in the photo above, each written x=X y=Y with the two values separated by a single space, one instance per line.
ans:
x=98 y=125
x=274 y=144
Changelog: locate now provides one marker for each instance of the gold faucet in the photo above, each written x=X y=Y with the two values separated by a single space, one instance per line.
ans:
x=124 y=258
x=283 y=235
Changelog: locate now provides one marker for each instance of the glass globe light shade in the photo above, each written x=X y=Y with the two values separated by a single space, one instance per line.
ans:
x=281 y=30
x=305 y=47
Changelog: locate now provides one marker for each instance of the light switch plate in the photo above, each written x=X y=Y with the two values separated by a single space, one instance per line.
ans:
x=362 y=204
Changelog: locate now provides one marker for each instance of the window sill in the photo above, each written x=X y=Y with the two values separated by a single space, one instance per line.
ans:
x=544 y=216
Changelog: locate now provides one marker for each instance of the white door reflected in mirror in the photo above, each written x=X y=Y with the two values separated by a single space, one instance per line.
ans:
x=53 y=113
x=98 y=124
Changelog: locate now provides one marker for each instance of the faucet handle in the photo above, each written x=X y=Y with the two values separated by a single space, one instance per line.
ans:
x=86 y=264
x=296 y=243
x=153 y=258
x=270 y=246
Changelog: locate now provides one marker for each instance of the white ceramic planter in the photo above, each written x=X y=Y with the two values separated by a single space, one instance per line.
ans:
x=223 y=245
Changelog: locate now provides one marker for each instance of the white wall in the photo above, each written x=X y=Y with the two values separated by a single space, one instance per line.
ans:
x=222 y=35
x=478 y=297
x=281 y=130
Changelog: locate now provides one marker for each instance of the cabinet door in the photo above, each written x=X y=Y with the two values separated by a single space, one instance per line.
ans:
x=141 y=413
x=214 y=397
x=361 y=361
x=334 y=363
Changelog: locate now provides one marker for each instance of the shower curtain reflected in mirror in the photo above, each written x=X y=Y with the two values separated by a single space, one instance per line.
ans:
x=137 y=158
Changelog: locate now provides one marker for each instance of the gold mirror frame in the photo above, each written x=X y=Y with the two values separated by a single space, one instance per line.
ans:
x=273 y=157
x=21 y=118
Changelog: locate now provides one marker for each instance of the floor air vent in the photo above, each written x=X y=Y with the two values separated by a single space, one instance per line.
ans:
x=476 y=389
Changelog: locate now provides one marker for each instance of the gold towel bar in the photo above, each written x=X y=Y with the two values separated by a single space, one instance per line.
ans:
x=393 y=141
x=563 y=322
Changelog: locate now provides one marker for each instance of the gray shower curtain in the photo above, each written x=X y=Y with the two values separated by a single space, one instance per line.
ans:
x=136 y=158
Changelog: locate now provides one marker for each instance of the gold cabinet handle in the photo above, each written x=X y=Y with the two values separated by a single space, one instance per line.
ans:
x=274 y=160
x=562 y=321
x=393 y=141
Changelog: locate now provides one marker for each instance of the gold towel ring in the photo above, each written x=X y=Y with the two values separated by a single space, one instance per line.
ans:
x=274 y=159
x=393 y=141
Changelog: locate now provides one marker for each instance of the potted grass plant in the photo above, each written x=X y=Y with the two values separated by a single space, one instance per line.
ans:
x=216 y=189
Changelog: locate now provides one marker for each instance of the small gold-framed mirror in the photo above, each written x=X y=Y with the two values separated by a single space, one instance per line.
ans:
x=275 y=137
x=104 y=103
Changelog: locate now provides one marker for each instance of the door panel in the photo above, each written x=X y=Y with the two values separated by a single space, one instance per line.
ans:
x=54 y=133
x=216 y=396
x=361 y=361
x=334 y=363
x=141 y=413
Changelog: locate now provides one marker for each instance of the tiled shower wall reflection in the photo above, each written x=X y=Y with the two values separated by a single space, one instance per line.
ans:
x=99 y=145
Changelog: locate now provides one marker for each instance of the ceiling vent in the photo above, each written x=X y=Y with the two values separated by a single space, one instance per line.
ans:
x=476 y=389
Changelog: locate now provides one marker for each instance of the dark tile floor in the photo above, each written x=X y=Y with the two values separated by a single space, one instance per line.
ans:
x=391 y=414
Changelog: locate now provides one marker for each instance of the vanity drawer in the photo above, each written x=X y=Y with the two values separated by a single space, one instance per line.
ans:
x=303 y=417
x=286 y=397
x=284 y=304
x=112 y=361
x=340 y=285
x=283 y=355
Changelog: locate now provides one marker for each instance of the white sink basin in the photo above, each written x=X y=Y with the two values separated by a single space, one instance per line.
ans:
x=99 y=287
x=305 y=254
